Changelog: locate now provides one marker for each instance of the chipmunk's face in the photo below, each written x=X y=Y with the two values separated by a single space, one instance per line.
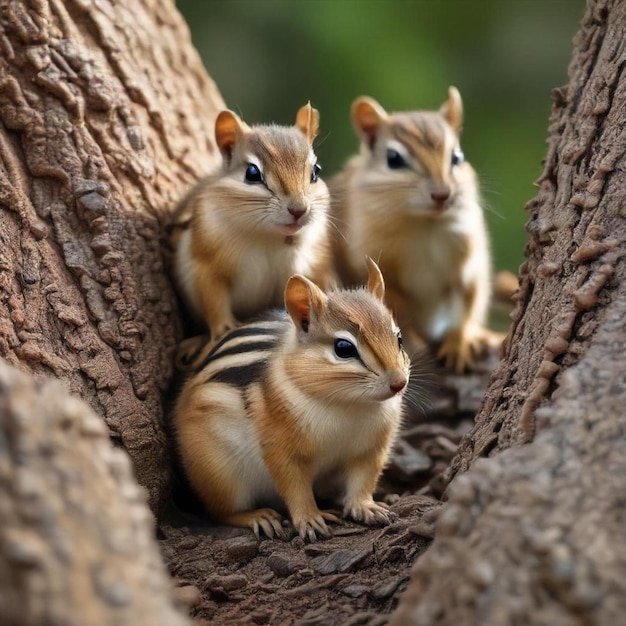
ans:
x=349 y=348
x=272 y=173
x=414 y=160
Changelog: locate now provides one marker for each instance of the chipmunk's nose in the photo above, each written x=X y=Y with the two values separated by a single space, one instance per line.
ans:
x=439 y=197
x=297 y=208
x=398 y=385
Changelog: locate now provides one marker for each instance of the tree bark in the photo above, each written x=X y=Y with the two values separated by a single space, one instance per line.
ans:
x=106 y=118
x=77 y=538
x=535 y=534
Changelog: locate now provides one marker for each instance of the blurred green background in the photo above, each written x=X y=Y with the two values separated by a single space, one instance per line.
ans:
x=268 y=57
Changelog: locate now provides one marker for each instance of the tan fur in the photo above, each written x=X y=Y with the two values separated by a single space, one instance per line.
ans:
x=236 y=243
x=314 y=425
x=423 y=223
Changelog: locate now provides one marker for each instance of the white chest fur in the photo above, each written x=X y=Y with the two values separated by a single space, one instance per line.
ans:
x=263 y=271
x=339 y=434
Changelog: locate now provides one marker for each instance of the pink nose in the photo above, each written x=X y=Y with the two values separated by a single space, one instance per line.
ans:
x=297 y=211
x=440 y=197
x=397 y=385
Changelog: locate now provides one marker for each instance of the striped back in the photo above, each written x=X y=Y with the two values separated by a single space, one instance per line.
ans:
x=240 y=357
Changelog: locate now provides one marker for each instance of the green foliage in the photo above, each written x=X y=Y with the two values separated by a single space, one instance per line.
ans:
x=269 y=57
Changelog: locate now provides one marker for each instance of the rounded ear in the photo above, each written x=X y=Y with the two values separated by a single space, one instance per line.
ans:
x=302 y=298
x=367 y=116
x=228 y=129
x=452 y=109
x=375 y=281
x=308 y=121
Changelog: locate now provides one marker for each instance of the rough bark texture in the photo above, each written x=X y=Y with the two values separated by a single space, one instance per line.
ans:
x=106 y=118
x=536 y=533
x=575 y=262
x=77 y=537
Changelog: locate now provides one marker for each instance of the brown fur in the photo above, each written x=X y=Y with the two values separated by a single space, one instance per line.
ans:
x=236 y=241
x=423 y=223
x=315 y=423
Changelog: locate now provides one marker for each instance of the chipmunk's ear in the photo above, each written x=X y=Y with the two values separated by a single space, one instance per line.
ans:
x=228 y=129
x=367 y=116
x=308 y=121
x=302 y=299
x=375 y=281
x=452 y=109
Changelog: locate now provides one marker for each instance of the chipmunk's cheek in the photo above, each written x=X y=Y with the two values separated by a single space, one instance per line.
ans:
x=421 y=203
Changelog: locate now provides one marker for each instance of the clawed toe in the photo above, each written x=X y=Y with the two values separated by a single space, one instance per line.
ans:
x=265 y=522
x=314 y=526
x=370 y=513
x=459 y=352
x=271 y=527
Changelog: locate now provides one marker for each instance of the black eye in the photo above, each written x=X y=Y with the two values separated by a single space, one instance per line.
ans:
x=253 y=174
x=315 y=172
x=345 y=349
x=395 y=160
x=457 y=157
x=400 y=341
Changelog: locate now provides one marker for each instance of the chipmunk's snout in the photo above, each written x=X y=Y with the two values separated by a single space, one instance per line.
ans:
x=297 y=208
x=440 y=198
x=440 y=195
x=398 y=384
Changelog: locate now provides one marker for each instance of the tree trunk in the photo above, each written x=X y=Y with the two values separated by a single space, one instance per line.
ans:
x=106 y=118
x=535 y=534
x=76 y=538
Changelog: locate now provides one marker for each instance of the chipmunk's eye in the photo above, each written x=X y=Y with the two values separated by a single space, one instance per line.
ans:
x=315 y=173
x=345 y=349
x=395 y=160
x=457 y=157
x=253 y=174
x=400 y=340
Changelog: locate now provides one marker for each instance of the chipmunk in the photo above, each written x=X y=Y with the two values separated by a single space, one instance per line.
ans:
x=298 y=404
x=241 y=232
x=410 y=200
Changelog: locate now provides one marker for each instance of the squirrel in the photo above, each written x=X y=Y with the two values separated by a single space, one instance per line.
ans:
x=242 y=231
x=410 y=200
x=296 y=404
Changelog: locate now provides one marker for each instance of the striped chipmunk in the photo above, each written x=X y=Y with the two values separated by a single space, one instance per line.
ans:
x=296 y=405
x=242 y=231
x=411 y=201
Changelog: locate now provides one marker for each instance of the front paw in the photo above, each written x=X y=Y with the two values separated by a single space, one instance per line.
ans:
x=267 y=521
x=369 y=512
x=313 y=526
x=456 y=352
x=461 y=348
x=190 y=352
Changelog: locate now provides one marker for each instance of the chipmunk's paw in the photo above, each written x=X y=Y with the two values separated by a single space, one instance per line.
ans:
x=456 y=352
x=369 y=512
x=190 y=351
x=267 y=521
x=313 y=527
x=460 y=349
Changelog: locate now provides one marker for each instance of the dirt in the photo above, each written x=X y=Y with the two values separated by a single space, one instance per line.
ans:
x=226 y=576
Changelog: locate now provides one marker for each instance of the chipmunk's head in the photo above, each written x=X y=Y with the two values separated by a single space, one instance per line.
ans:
x=414 y=160
x=272 y=176
x=347 y=348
